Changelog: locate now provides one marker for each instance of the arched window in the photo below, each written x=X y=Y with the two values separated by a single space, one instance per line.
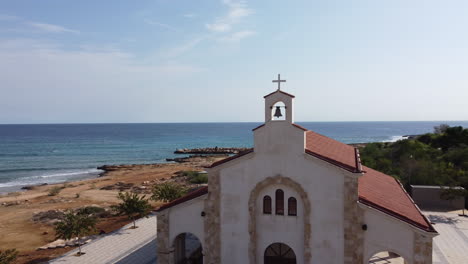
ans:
x=292 y=206
x=279 y=202
x=267 y=204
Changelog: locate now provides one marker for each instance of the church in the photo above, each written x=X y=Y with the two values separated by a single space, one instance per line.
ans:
x=298 y=197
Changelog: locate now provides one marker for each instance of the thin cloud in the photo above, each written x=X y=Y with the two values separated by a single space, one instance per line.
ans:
x=190 y=15
x=238 y=36
x=155 y=23
x=4 y=17
x=51 y=28
x=179 y=50
x=237 y=10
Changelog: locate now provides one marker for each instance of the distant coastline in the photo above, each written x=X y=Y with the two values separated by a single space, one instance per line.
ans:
x=36 y=154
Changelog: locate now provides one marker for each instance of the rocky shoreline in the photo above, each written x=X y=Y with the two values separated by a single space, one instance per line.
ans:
x=214 y=150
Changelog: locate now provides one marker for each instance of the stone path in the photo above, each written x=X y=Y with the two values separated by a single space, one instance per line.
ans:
x=123 y=246
x=451 y=245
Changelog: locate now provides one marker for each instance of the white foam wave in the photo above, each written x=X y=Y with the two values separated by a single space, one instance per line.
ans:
x=69 y=173
x=396 y=138
x=47 y=178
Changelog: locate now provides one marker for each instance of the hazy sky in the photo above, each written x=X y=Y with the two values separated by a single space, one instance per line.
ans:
x=213 y=60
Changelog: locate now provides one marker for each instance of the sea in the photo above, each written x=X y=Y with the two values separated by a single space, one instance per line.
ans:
x=54 y=153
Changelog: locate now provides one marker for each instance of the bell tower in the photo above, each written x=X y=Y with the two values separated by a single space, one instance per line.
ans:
x=279 y=105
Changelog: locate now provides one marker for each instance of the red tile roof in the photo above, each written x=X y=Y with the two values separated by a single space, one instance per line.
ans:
x=192 y=195
x=375 y=189
x=219 y=162
x=386 y=194
x=332 y=151
x=279 y=91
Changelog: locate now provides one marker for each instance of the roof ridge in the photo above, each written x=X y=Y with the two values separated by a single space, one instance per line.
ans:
x=189 y=196
x=279 y=91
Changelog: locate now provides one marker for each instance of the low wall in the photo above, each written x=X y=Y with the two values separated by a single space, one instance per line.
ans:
x=428 y=197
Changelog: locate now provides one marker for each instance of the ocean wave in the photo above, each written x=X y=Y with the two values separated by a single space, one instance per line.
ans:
x=395 y=138
x=48 y=178
x=70 y=173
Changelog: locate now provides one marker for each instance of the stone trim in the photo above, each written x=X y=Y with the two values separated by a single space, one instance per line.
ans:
x=212 y=223
x=278 y=179
x=422 y=249
x=164 y=250
x=353 y=220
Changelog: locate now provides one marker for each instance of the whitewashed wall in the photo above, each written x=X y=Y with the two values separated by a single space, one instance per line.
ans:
x=286 y=229
x=385 y=233
x=279 y=150
x=186 y=218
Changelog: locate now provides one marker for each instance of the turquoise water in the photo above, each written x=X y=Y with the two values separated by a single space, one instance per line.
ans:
x=34 y=154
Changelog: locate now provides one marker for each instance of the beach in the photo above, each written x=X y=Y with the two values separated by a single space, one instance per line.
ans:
x=18 y=209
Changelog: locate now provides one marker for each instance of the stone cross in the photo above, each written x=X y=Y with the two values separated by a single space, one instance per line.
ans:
x=279 y=81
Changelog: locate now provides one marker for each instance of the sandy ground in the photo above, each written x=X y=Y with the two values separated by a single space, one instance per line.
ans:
x=18 y=230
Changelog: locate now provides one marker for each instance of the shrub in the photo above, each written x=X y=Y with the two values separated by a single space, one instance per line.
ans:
x=199 y=179
x=8 y=256
x=75 y=225
x=167 y=192
x=55 y=190
x=90 y=210
x=196 y=177
x=133 y=206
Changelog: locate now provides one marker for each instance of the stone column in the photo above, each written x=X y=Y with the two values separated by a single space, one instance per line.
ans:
x=422 y=249
x=164 y=251
x=353 y=233
x=212 y=224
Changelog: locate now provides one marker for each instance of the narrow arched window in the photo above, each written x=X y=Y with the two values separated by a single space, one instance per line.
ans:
x=267 y=204
x=279 y=202
x=292 y=206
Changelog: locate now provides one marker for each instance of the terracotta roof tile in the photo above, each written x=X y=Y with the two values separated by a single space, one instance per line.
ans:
x=219 y=162
x=375 y=189
x=332 y=151
x=192 y=195
x=386 y=194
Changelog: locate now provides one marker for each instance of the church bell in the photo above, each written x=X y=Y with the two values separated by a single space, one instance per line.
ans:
x=278 y=112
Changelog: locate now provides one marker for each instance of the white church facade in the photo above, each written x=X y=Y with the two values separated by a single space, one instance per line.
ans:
x=297 y=197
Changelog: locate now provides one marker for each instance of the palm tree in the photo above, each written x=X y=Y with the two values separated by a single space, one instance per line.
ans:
x=75 y=225
x=133 y=206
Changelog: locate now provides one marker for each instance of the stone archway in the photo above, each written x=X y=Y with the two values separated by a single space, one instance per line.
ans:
x=279 y=253
x=280 y=180
x=187 y=249
x=387 y=257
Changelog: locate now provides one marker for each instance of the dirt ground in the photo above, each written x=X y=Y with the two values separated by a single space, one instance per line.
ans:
x=18 y=230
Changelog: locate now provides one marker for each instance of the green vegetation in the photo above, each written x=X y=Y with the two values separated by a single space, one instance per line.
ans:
x=439 y=158
x=196 y=177
x=133 y=206
x=167 y=192
x=55 y=190
x=8 y=256
x=93 y=211
x=75 y=225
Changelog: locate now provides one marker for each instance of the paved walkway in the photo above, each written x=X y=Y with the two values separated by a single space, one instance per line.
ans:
x=124 y=246
x=451 y=245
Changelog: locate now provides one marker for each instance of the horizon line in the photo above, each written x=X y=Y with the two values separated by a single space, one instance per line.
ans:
x=222 y=122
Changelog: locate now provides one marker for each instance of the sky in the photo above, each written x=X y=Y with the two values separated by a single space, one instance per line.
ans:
x=213 y=60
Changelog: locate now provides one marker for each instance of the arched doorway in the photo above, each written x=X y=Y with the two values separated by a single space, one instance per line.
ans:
x=279 y=253
x=387 y=257
x=187 y=249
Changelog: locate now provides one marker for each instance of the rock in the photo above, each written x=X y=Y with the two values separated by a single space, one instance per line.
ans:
x=49 y=217
x=45 y=233
x=214 y=150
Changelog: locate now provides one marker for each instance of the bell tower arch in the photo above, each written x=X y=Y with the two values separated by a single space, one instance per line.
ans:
x=279 y=105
